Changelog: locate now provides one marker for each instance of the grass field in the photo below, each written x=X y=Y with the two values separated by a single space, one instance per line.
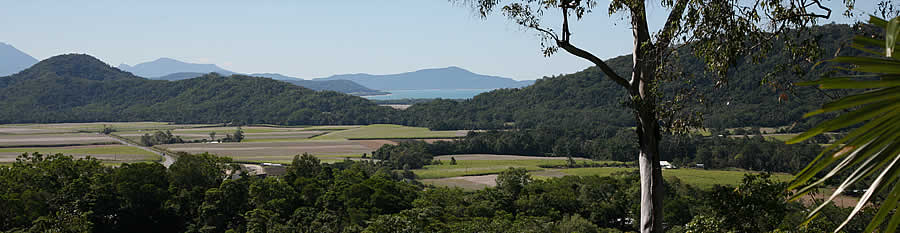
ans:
x=107 y=153
x=98 y=126
x=388 y=132
x=261 y=143
x=251 y=134
x=696 y=177
x=275 y=151
x=476 y=171
x=45 y=139
x=468 y=167
x=703 y=179
x=105 y=149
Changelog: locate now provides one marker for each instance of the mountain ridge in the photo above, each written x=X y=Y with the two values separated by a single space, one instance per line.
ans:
x=343 y=86
x=81 y=88
x=13 y=60
x=452 y=77
x=587 y=99
x=165 y=66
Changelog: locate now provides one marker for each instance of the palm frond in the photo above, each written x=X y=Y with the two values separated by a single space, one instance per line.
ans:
x=871 y=150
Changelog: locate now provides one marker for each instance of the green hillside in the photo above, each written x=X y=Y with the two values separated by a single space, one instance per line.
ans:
x=587 y=98
x=80 y=88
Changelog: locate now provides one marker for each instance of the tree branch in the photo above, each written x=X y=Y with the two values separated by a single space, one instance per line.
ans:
x=672 y=24
x=564 y=43
x=594 y=59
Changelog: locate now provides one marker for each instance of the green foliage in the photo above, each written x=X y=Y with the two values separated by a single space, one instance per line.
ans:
x=513 y=180
x=238 y=136
x=871 y=150
x=406 y=155
x=159 y=138
x=585 y=100
x=107 y=130
x=59 y=193
x=609 y=144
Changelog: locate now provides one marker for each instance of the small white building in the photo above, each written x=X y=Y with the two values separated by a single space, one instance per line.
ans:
x=666 y=165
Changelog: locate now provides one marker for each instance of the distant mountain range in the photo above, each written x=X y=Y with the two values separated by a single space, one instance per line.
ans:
x=344 y=86
x=12 y=60
x=81 y=88
x=440 y=78
x=166 y=66
x=173 y=70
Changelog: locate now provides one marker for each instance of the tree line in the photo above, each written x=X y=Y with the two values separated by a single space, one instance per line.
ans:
x=59 y=193
x=751 y=152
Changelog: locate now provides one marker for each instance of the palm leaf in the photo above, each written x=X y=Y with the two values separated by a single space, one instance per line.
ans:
x=871 y=150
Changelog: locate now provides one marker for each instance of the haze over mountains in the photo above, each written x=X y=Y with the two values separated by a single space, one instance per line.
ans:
x=12 y=60
x=439 y=78
x=166 y=66
x=81 y=88
x=344 y=86
x=76 y=88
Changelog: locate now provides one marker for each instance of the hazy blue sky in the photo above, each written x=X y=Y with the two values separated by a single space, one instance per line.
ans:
x=305 y=39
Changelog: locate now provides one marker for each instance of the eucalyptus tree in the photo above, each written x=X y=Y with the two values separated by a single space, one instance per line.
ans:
x=719 y=32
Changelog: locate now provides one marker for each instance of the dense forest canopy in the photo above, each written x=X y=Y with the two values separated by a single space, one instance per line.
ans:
x=586 y=98
x=56 y=193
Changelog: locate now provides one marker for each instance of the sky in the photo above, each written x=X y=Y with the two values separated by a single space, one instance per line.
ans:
x=309 y=39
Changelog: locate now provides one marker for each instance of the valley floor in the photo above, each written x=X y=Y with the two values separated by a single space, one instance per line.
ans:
x=279 y=144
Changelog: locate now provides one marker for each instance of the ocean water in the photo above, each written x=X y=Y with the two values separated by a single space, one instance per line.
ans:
x=429 y=94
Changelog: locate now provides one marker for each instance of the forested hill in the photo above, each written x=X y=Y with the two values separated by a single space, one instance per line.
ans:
x=587 y=98
x=343 y=86
x=80 y=88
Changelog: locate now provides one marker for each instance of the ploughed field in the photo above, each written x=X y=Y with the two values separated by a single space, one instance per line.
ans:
x=265 y=143
x=251 y=134
x=76 y=139
x=274 y=144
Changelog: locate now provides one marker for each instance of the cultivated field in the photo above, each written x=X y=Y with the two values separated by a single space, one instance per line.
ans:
x=78 y=140
x=251 y=134
x=280 y=152
x=107 y=153
x=482 y=164
x=390 y=132
x=53 y=139
x=479 y=171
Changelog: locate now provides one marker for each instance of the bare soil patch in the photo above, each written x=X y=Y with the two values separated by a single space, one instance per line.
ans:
x=26 y=130
x=375 y=144
x=52 y=139
x=842 y=201
x=465 y=182
x=549 y=173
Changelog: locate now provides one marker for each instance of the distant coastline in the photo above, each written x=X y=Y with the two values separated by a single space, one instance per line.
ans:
x=429 y=94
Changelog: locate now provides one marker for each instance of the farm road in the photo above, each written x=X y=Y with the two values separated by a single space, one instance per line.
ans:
x=167 y=160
